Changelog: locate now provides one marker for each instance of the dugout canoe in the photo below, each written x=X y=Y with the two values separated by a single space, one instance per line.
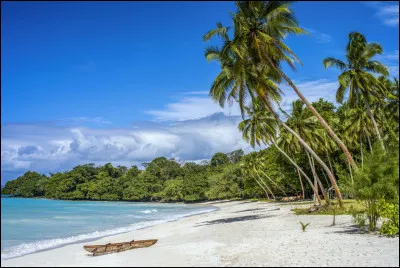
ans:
x=117 y=247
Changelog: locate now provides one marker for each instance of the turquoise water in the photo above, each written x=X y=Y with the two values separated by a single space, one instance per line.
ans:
x=29 y=225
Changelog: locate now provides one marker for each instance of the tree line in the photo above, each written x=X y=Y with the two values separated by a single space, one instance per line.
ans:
x=162 y=180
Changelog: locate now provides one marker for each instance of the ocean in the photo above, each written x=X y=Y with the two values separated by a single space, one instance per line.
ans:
x=29 y=225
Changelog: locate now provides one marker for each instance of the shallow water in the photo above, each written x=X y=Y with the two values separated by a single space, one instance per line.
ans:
x=30 y=225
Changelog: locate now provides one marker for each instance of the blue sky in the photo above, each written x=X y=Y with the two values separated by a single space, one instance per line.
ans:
x=125 y=82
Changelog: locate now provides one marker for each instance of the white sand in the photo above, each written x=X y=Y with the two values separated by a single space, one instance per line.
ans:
x=239 y=234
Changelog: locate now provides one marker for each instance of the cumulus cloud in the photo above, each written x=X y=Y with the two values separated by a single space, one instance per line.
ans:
x=386 y=11
x=192 y=108
x=188 y=108
x=51 y=149
x=312 y=90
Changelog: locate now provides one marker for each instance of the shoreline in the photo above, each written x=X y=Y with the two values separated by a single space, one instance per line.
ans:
x=238 y=233
x=134 y=227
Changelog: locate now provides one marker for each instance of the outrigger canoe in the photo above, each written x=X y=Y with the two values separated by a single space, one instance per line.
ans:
x=117 y=247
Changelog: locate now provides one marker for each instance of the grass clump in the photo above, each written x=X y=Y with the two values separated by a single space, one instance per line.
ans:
x=304 y=226
x=349 y=207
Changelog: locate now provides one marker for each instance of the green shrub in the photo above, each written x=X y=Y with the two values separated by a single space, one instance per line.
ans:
x=378 y=179
x=359 y=219
x=390 y=213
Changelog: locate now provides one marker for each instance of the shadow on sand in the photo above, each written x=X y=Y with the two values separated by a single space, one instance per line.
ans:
x=235 y=219
x=247 y=210
x=220 y=202
x=352 y=229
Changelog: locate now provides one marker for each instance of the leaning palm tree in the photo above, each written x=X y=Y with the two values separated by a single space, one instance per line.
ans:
x=258 y=166
x=306 y=125
x=357 y=77
x=259 y=30
x=243 y=72
x=261 y=128
x=288 y=145
x=249 y=167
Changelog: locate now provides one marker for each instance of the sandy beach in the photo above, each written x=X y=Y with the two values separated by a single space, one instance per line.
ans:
x=239 y=233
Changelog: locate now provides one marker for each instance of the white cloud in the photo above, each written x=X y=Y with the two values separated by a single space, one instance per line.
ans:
x=197 y=93
x=192 y=108
x=312 y=90
x=198 y=107
x=82 y=120
x=387 y=11
x=51 y=149
x=319 y=36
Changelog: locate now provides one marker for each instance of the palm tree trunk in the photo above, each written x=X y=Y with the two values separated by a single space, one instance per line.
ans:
x=329 y=161
x=362 y=159
x=319 y=117
x=349 y=195
x=266 y=186
x=351 y=174
x=277 y=186
x=298 y=168
x=301 y=183
x=311 y=151
x=315 y=180
x=375 y=125
x=316 y=177
x=369 y=143
x=262 y=187
x=323 y=173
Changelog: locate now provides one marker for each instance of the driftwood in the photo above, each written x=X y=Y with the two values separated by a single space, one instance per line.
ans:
x=117 y=247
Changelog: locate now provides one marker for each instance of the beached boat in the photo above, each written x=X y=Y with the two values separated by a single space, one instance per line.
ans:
x=117 y=247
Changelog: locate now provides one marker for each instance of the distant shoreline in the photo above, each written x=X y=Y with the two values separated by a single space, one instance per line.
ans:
x=128 y=201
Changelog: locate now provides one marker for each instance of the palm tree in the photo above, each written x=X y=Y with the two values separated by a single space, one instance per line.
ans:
x=261 y=127
x=244 y=72
x=287 y=144
x=259 y=28
x=392 y=98
x=260 y=165
x=306 y=124
x=249 y=167
x=357 y=77
x=358 y=124
x=389 y=109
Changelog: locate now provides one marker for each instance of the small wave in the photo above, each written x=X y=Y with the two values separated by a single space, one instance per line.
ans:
x=24 y=221
x=27 y=248
x=148 y=211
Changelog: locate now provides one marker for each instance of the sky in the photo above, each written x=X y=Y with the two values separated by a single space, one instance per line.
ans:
x=125 y=82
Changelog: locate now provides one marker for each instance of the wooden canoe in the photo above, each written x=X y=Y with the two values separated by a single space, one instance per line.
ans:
x=117 y=247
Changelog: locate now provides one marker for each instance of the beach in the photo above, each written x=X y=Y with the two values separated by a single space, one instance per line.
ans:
x=239 y=233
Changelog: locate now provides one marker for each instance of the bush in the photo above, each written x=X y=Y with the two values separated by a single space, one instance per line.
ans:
x=359 y=219
x=390 y=212
x=378 y=179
